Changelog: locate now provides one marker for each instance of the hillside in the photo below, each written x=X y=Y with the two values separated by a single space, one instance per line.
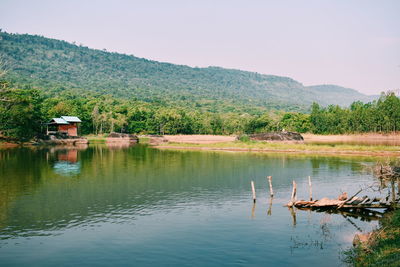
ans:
x=55 y=66
x=330 y=93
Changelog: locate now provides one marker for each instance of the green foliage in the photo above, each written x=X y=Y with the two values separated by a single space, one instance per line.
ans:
x=57 y=66
x=109 y=92
x=244 y=138
x=259 y=124
x=296 y=122
x=20 y=115
x=379 y=116
x=384 y=250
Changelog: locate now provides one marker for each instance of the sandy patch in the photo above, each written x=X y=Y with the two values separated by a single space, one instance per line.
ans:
x=199 y=139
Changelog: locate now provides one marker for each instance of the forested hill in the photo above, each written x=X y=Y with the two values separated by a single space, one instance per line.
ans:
x=55 y=66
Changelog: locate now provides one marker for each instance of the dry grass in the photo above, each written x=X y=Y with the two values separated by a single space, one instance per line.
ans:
x=257 y=146
x=367 y=138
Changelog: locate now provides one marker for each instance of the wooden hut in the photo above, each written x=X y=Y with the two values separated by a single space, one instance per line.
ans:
x=65 y=125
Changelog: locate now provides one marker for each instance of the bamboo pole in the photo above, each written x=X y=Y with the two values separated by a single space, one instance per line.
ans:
x=270 y=186
x=310 y=185
x=254 y=191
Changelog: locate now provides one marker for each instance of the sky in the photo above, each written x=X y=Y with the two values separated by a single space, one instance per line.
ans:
x=351 y=43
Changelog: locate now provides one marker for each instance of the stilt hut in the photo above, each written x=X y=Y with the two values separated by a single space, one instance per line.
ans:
x=65 y=125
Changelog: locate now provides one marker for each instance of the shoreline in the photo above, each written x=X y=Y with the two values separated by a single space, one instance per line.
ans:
x=382 y=153
x=369 y=144
x=230 y=144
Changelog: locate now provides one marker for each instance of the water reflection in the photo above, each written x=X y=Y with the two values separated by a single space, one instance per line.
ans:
x=67 y=163
x=269 y=212
x=162 y=207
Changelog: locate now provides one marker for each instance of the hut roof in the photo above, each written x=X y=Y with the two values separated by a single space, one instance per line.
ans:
x=58 y=121
x=71 y=119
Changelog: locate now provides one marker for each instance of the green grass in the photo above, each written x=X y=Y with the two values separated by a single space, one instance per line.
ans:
x=291 y=146
x=144 y=140
x=384 y=248
x=93 y=139
x=96 y=138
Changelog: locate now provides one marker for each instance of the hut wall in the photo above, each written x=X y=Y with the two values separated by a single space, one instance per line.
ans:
x=70 y=129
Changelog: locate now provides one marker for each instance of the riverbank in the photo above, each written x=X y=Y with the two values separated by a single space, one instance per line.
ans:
x=361 y=139
x=254 y=146
x=313 y=144
x=383 y=246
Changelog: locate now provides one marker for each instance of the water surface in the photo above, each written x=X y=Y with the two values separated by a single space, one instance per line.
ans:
x=147 y=207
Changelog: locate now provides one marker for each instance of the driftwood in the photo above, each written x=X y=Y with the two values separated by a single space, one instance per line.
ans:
x=387 y=171
x=343 y=202
x=356 y=202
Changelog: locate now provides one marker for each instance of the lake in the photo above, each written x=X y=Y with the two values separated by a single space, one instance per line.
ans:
x=142 y=206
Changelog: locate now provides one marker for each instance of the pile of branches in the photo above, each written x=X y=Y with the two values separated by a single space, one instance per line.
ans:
x=387 y=171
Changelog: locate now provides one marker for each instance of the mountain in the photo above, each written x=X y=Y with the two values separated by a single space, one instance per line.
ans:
x=338 y=95
x=56 y=66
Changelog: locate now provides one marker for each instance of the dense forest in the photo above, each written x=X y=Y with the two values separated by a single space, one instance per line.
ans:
x=42 y=78
x=55 y=66
x=24 y=112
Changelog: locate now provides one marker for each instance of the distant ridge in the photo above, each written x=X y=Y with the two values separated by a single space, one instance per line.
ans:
x=330 y=93
x=56 y=66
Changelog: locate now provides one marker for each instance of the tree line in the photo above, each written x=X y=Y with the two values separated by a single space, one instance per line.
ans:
x=24 y=113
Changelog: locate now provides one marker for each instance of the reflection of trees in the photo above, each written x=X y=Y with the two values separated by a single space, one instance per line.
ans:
x=128 y=180
x=21 y=171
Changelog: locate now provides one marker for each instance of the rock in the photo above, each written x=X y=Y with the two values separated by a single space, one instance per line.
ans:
x=277 y=136
x=361 y=239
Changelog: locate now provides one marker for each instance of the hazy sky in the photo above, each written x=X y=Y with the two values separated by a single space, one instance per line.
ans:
x=354 y=44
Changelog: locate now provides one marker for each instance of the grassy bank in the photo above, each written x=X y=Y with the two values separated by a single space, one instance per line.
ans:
x=101 y=138
x=383 y=248
x=289 y=147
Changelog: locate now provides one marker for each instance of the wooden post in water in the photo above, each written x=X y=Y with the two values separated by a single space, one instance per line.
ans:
x=293 y=198
x=393 y=191
x=271 y=191
x=254 y=191
x=398 y=186
x=310 y=185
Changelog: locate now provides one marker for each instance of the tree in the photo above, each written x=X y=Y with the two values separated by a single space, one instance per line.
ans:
x=20 y=113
